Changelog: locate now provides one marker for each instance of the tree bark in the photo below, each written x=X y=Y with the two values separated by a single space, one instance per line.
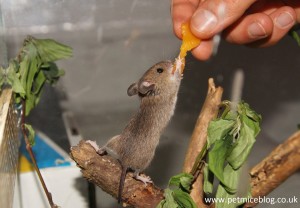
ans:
x=208 y=112
x=105 y=171
x=282 y=162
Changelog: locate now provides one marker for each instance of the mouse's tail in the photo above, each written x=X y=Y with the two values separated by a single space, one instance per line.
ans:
x=121 y=184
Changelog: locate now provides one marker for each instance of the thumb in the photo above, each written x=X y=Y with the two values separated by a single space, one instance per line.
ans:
x=213 y=16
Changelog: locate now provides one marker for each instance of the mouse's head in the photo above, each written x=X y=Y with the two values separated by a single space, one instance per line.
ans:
x=160 y=79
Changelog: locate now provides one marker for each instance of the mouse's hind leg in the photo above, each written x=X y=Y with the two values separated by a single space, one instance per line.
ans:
x=111 y=152
x=144 y=179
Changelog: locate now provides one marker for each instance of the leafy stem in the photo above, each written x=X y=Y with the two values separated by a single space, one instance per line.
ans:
x=226 y=105
x=177 y=193
x=230 y=140
x=26 y=74
x=199 y=161
x=32 y=157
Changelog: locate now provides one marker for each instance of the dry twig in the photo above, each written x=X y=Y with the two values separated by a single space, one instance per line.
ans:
x=33 y=160
x=198 y=139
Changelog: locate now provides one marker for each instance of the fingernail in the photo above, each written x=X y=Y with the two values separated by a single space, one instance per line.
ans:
x=256 y=30
x=284 y=20
x=203 y=21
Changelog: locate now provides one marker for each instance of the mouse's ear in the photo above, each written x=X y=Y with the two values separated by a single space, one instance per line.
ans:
x=146 y=86
x=132 y=89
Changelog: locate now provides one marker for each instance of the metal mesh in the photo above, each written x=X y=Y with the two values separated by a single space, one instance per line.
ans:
x=9 y=147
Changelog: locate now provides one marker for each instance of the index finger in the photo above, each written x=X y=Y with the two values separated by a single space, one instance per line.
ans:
x=181 y=12
x=213 y=16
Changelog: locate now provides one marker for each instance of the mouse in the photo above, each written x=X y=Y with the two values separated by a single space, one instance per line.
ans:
x=135 y=147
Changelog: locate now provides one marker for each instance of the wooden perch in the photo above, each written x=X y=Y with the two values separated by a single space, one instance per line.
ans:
x=282 y=162
x=105 y=172
x=208 y=112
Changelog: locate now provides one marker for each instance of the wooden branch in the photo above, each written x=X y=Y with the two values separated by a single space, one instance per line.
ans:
x=282 y=162
x=208 y=112
x=105 y=172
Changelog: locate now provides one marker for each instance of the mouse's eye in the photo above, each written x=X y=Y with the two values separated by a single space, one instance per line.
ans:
x=160 y=70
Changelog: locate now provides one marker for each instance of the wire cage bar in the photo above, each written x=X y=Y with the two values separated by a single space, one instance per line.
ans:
x=9 y=148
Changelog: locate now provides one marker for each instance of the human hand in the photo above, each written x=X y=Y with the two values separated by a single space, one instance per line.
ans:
x=259 y=23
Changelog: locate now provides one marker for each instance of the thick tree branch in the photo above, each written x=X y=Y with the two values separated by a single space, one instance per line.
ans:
x=208 y=112
x=105 y=172
x=282 y=162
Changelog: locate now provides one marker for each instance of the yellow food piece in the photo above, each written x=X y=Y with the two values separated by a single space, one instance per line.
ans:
x=189 y=41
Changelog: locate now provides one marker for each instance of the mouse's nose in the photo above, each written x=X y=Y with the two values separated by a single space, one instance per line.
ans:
x=178 y=66
x=168 y=63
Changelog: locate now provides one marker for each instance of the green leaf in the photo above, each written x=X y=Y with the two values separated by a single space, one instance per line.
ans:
x=161 y=204
x=231 y=115
x=2 y=77
x=38 y=97
x=38 y=83
x=248 y=131
x=30 y=103
x=182 y=180
x=224 y=198
x=296 y=37
x=169 y=201
x=229 y=197
x=33 y=70
x=232 y=177
x=217 y=157
x=178 y=197
x=218 y=129
x=52 y=73
x=24 y=66
x=15 y=65
x=18 y=99
x=244 y=108
x=36 y=66
x=186 y=182
x=31 y=134
x=13 y=80
x=199 y=159
x=232 y=141
x=50 y=50
x=208 y=179
x=183 y=199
